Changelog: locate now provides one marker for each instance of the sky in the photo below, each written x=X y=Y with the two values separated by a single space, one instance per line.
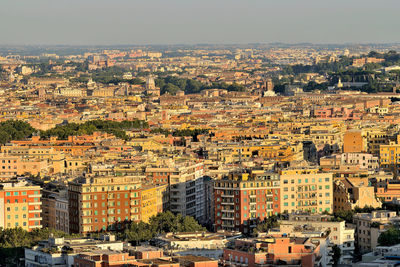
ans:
x=138 y=22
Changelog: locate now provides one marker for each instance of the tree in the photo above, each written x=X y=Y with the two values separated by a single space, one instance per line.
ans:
x=390 y=237
x=13 y=241
x=346 y=215
x=267 y=224
x=15 y=130
x=89 y=127
x=164 y=222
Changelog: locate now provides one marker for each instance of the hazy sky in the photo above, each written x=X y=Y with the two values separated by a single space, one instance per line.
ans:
x=198 y=21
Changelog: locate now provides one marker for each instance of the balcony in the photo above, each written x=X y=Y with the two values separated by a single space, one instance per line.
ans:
x=228 y=218
x=35 y=219
x=230 y=211
x=34 y=211
x=227 y=203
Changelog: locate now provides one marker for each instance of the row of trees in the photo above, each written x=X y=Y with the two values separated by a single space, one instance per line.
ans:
x=89 y=127
x=161 y=223
x=347 y=215
x=391 y=57
x=19 y=130
x=172 y=85
x=14 y=130
x=13 y=241
x=323 y=67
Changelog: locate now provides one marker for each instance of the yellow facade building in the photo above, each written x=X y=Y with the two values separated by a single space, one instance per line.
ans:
x=390 y=157
x=306 y=189
x=153 y=201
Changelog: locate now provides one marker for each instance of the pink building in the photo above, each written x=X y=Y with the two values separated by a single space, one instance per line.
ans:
x=305 y=252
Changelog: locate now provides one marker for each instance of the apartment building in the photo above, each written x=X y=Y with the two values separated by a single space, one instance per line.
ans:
x=354 y=141
x=370 y=225
x=301 y=225
x=187 y=191
x=55 y=210
x=99 y=203
x=242 y=198
x=376 y=138
x=61 y=252
x=104 y=258
x=349 y=193
x=273 y=251
x=306 y=189
x=54 y=158
x=11 y=166
x=390 y=157
x=350 y=163
x=153 y=200
x=389 y=191
x=20 y=205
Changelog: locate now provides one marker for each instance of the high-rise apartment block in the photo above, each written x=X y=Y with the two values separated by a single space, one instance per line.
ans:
x=20 y=205
x=306 y=189
x=98 y=203
x=243 y=198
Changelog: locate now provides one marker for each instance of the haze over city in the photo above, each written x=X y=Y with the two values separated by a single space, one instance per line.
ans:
x=99 y=22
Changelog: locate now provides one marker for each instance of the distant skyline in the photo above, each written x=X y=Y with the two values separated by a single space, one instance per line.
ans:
x=119 y=22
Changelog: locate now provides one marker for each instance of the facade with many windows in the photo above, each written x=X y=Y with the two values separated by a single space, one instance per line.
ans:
x=21 y=205
x=306 y=189
x=100 y=203
x=243 y=198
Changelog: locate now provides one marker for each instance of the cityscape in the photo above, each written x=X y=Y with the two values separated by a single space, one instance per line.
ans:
x=244 y=152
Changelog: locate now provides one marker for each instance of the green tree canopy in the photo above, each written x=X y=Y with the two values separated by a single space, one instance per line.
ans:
x=89 y=127
x=13 y=241
x=164 y=222
x=390 y=237
x=15 y=130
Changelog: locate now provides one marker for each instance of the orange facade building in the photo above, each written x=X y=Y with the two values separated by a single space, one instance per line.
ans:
x=20 y=205
x=101 y=203
x=354 y=142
